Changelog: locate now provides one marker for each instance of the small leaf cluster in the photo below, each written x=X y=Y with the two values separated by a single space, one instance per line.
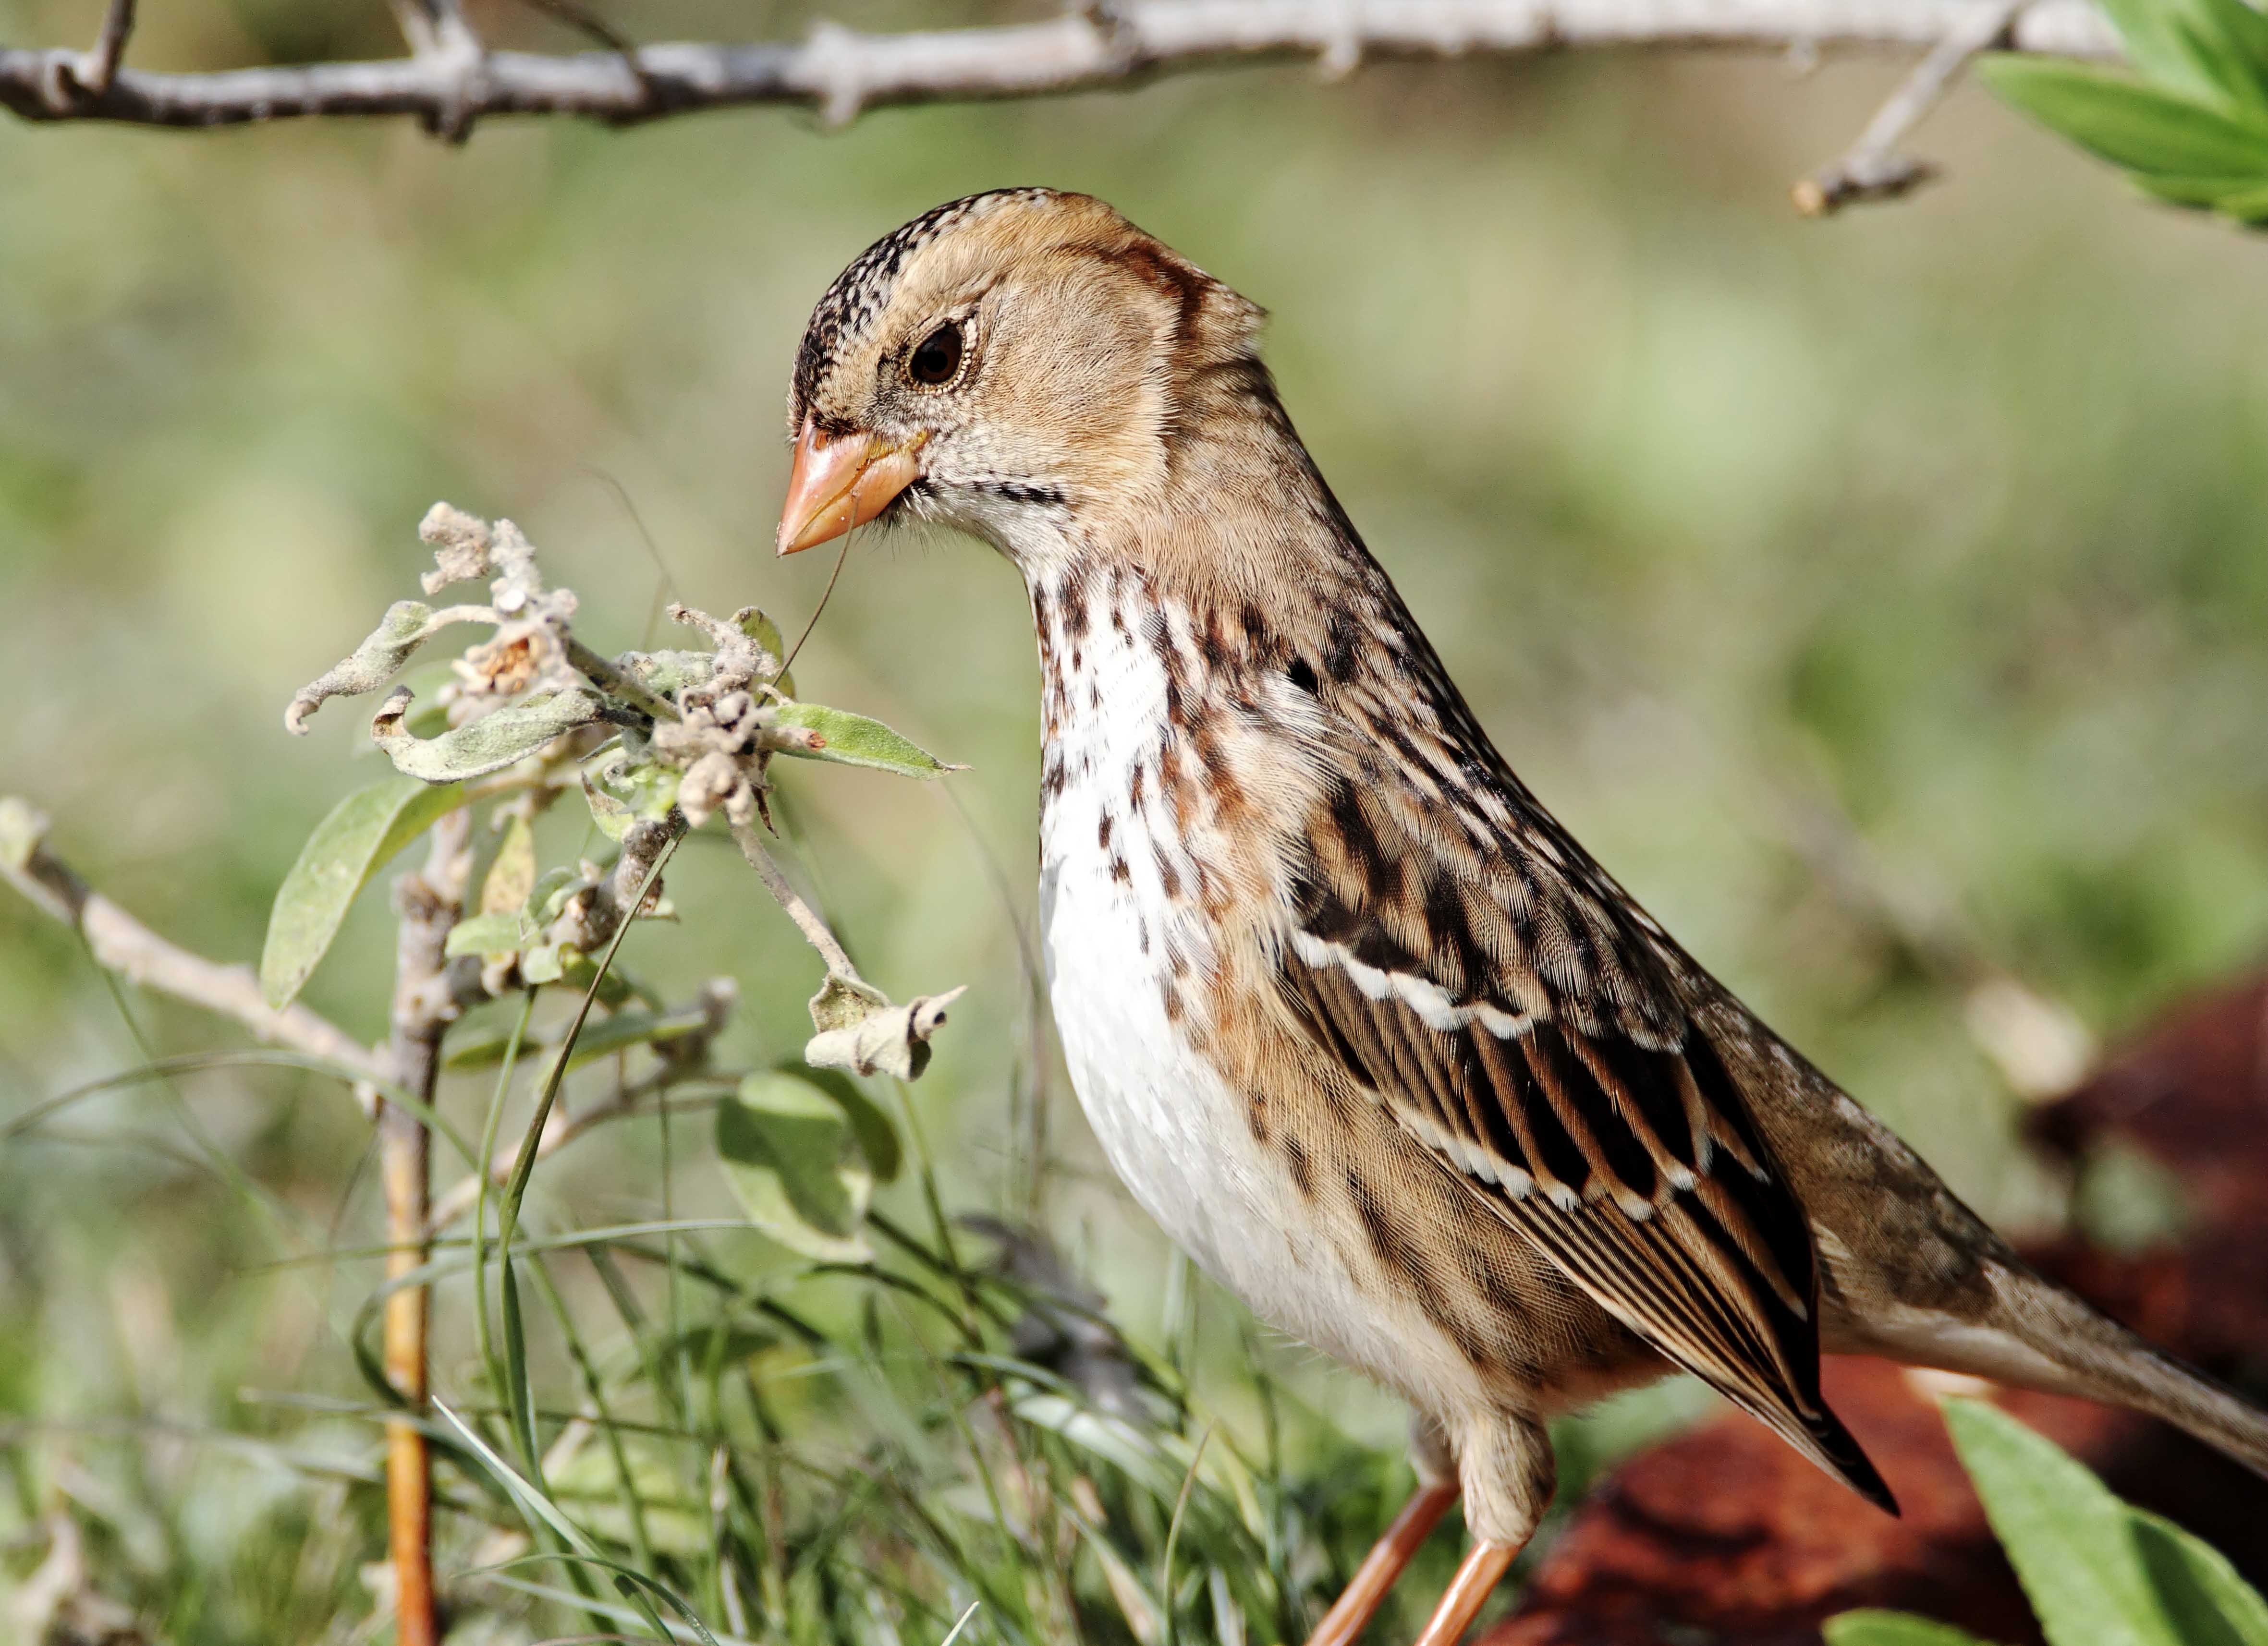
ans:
x=2190 y=126
x=657 y=743
x=2098 y=1571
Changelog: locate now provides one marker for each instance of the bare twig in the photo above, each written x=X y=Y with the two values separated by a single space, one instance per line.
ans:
x=841 y=73
x=428 y=903
x=807 y=919
x=1873 y=169
x=439 y=35
x=98 y=68
x=123 y=945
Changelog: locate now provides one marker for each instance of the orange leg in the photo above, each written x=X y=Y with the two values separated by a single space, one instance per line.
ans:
x=1483 y=1568
x=1385 y=1562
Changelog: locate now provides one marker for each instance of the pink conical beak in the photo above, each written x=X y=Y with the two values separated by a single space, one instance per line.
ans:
x=839 y=484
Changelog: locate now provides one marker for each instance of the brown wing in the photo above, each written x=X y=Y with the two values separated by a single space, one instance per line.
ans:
x=1516 y=1017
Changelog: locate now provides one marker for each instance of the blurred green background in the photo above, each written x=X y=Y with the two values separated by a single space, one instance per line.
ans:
x=1885 y=602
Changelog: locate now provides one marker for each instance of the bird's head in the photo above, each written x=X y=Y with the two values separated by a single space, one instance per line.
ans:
x=1010 y=365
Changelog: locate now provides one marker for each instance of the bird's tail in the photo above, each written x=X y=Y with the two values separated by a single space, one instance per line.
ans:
x=2039 y=1336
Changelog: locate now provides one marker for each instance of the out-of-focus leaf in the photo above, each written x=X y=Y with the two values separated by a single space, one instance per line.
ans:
x=601 y=1036
x=361 y=835
x=2212 y=49
x=549 y=894
x=876 y=1131
x=2127 y=122
x=589 y=1487
x=725 y=1344
x=2246 y=205
x=2069 y=1538
x=792 y=1159
x=855 y=740
x=2210 y=1604
x=1892 y=1628
x=490 y=744
x=511 y=876
x=490 y=934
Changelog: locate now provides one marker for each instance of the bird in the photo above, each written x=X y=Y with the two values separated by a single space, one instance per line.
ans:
x=1356 y=1020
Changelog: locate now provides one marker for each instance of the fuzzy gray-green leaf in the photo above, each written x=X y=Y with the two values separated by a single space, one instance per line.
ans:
x=361 y=835
x=855 y=740
x=504 y=738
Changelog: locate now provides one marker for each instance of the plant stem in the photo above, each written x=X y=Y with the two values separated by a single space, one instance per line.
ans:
x=428 y=903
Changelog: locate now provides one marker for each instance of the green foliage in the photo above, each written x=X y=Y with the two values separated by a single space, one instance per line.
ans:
x=793 y=1158
x=2098 y=1571
x=358 y=837
x=505 y=738
x=1893 y=1628
x=2193 y=128
x=855 y=740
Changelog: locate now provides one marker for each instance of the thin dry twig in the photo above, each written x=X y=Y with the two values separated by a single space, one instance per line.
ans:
x=123 y=945
x=815 y=929
x=100 y=67
x=841 y=73
x=1873 y=168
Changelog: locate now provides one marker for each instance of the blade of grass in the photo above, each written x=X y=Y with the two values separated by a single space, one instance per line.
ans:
x=489 y=1130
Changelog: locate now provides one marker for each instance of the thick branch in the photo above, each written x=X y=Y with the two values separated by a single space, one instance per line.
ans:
x=841 y=73
x=123 y=945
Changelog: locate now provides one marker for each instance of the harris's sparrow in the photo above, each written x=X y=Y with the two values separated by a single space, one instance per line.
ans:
x=1356 y=1020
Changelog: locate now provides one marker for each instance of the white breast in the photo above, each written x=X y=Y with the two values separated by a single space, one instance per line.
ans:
x=1155 y=1106
x=1174 y=1130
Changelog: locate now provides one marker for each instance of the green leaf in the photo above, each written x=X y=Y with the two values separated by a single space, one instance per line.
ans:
x=520 y=1397
x=2131 y=124
x=511 y=876
x=622 y=790
x=792 y=1159
x=2209 y=1603
x=2212 y=49
x=490 y=934
x=490 y=744
x=2069 y=1538
x=854 y=740
x=2246 y=205
x=2205 y=192
x=362 y=833
x=1892 y=1628
x=677 y=1520
x=876 y=1131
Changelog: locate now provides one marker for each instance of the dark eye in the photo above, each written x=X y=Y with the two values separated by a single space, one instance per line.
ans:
x=938 y=358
